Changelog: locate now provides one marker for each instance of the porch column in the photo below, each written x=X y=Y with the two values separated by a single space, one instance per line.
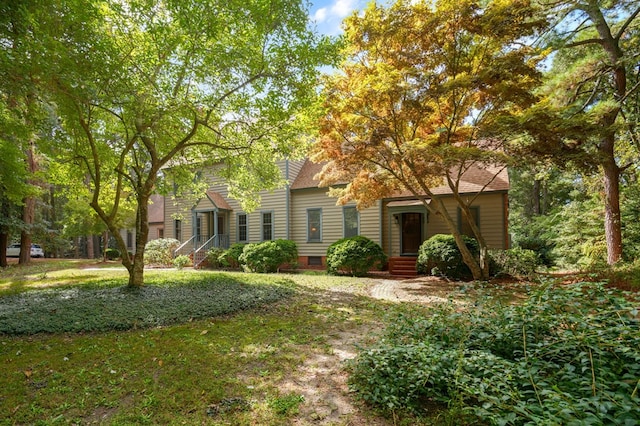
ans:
x=216 y=240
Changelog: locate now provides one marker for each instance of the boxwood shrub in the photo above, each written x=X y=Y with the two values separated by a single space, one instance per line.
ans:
x=230 y=258
x=439 y=255
x=355 y=256
x=268 y=256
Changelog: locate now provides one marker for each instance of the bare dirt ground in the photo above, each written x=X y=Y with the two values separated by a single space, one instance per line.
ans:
x=322 y=378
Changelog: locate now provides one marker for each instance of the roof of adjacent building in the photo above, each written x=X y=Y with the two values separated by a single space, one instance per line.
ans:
x=156 y=209
x=475 y=179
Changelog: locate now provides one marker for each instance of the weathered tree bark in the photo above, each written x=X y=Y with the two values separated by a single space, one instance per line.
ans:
x=91 y=253
x=606 y=147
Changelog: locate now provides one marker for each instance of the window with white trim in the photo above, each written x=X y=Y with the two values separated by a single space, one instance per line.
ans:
x=243 y=227
x=267 y=226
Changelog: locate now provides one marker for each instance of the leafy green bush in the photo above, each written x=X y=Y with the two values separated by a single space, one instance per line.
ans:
x=568 y=355
x=114 y=306
x=268 y=256
x=515 y=262
x=181 y=261
x=215 y=259
x=112 y=253
x=160 y=251
x=440 y=255
x=355 y=256
x=541 y=246
x=230 y=258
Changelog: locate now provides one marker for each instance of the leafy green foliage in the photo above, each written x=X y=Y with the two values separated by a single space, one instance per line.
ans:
x=515 y=262
x=355 y=256
x=111 y=306
x=567 y=355
x=215 y=259
x=112 y=253
x=268 y=256
x=439 y=255
x=181 y=261
x=231 y=256
x=160 y=251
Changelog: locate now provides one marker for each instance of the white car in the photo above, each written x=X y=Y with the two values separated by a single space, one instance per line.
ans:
x=14 y=250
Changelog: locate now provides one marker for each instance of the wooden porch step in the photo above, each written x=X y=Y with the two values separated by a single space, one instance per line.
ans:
x=403 y=265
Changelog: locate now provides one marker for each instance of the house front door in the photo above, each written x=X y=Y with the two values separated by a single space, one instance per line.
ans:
x=411 y=233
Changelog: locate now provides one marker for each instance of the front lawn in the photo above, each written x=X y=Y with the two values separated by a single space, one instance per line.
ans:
x=178 y=355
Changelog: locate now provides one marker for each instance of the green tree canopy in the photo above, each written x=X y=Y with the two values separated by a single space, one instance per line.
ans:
x=144 y=85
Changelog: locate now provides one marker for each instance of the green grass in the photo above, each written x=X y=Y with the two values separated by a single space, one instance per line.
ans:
x=212 y=369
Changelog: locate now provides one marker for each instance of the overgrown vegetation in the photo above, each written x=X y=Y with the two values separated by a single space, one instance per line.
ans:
x=567 y=355
x=354 y=256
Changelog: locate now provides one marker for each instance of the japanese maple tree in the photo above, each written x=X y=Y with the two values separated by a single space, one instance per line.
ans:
x=416 y=102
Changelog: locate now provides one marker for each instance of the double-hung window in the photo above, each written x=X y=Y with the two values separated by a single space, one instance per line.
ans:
x=314 y=225
x=243 y=227
x=350 y=221
x=267 y=226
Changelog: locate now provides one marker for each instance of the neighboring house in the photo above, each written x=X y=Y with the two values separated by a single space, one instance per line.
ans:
x=156 y=223
x=304 y=213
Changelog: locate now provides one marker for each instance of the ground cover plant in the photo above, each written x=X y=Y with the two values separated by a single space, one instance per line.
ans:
x=567 y=355
x=111 y=305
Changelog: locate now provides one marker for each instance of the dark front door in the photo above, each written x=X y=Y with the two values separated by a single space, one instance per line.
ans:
x=411 y=232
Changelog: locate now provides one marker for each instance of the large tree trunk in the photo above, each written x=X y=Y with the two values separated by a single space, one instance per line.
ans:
x=478 y=270
x=4 y=241
x=612 y=219
x=91 y=253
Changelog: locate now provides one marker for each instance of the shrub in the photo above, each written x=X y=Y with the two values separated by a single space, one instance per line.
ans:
x=355 y=256
x=231 y=256
x=515 y=262
x=214 y=257
x=112 y=253
x=568 y=355
x=160 y=251
x=542 y=247
x=181 y=261
x=440 y=255
x=268 y=256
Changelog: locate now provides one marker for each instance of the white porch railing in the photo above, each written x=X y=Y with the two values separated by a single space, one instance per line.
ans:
x=185 y=248
x=200 y=254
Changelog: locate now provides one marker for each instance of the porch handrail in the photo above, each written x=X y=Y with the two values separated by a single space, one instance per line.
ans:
x=177 y=251
x=200 y=254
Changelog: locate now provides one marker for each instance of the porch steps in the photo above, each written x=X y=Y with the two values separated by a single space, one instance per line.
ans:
x=403 y=266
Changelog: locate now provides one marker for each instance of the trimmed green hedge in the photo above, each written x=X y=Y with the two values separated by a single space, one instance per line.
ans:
x=355 y=256
x=439 y=255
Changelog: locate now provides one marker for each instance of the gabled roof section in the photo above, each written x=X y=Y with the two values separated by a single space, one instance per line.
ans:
x=475 y=179
x=306 y=176
x=156 y=209
x=218 y=200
